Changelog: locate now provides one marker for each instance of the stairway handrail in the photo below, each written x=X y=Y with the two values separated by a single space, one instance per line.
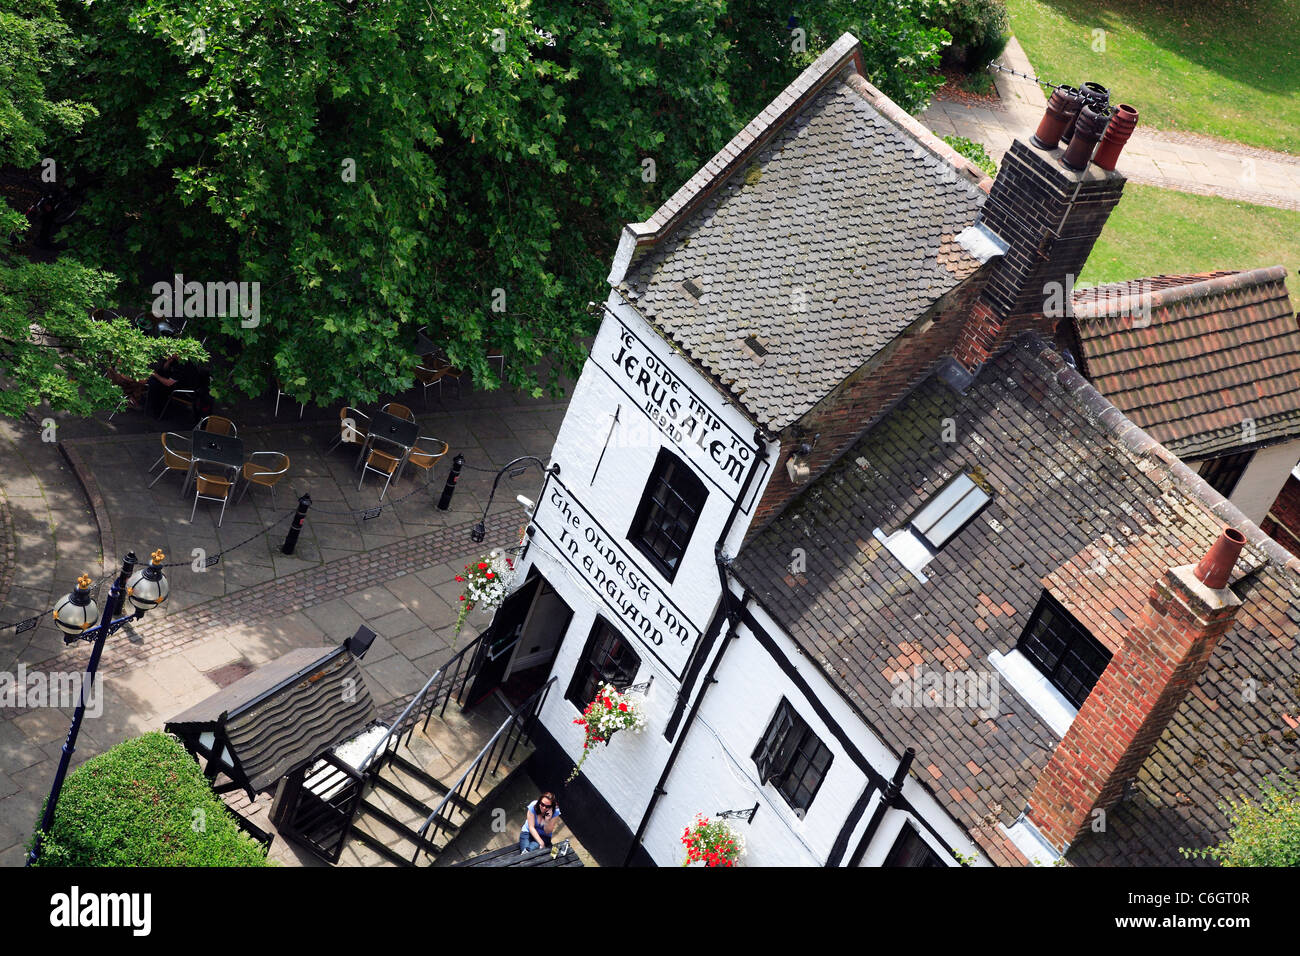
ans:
x=415 y=701
x=474 y=764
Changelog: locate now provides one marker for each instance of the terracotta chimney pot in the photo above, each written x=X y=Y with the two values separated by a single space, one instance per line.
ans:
x=1216 y=566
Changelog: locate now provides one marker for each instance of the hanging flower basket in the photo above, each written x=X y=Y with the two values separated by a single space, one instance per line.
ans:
x=712 y=843
x=610 y=712
x=487 y=582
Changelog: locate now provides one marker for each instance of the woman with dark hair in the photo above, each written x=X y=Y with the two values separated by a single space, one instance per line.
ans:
x=539 y=826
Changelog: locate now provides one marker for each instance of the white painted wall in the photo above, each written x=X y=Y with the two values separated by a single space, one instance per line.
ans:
x=1264 y=478
x=715 y=770
x=605 y=498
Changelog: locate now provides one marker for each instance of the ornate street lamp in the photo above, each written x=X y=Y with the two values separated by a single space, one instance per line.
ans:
x=75 y=616
x=479 y=531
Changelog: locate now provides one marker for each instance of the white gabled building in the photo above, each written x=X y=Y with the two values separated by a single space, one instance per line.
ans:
x=808 y=470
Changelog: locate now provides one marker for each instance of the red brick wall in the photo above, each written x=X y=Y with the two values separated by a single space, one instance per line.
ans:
x=1128 y=709
x=1283 y=521
x=864 y=397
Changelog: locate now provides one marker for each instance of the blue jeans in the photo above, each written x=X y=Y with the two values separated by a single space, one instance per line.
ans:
x=527 y=843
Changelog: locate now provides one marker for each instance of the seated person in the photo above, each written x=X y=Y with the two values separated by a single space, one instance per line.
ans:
x=539 y=824
x=163 y=380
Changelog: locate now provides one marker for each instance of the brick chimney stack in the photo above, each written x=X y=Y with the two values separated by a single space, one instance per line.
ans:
x=1118 y=725
x=1050 y=216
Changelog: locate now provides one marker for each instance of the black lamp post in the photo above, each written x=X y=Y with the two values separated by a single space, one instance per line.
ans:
x=147 y=588
x=479 y=531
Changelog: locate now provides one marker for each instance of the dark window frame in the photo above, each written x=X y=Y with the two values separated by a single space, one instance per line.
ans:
x=788 y=754
x=1224 y=473
x=1072 y=667
x=613 y=647
x=679 y=490
x=911 y=846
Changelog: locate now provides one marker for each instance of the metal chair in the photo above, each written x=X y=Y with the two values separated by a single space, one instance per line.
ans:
x=354 y=427
x=498 y=355
x=211 y=488
x=279 y=393
x=181 y=396
x=428 y=377
x=398 y=410
x=218 y=425
x=267 y=477
x=423 y=457
x=448 y=372
x=176 y=458
x=381 y=463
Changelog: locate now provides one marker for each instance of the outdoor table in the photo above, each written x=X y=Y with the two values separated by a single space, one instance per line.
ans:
x=211 y=448
x=390 y=428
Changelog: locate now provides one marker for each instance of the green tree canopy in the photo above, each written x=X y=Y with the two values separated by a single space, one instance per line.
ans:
x=379 y=167
x=50 y=349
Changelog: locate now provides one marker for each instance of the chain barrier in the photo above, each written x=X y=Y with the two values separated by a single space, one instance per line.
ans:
x=1024 y=76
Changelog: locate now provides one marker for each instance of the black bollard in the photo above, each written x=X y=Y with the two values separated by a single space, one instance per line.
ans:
x=457 y=464
x=295 y=529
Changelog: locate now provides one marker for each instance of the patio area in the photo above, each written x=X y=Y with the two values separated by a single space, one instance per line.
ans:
x=393 y=573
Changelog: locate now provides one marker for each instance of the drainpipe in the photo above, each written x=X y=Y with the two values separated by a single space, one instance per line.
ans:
x=709 y=681
x=760 y=456
x=888 y=799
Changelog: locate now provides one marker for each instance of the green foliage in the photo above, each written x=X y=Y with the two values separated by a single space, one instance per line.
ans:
x=50 y=350
x=980 y=30
x=145 y=802
x=1264 y=832
x=1213 y=233
x=973 y=151
x=496 y=152
x=980 y=83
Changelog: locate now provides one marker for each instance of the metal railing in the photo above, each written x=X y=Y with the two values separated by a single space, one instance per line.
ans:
x=447 y=681
x=513 y=730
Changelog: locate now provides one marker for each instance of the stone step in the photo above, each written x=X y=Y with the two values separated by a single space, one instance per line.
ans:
x=396 y=833
x=372 y=844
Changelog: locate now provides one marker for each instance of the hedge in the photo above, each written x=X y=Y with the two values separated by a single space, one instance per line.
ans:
x=145 y=802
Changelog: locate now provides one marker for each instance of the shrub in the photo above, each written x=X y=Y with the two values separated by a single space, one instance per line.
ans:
x=145 y=802
x=980 y=83
x=980 y=30
x=973 y=151
x=1264 y=832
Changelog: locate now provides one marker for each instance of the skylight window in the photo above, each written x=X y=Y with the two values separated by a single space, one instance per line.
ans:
x=947 y=511
x=934 y=525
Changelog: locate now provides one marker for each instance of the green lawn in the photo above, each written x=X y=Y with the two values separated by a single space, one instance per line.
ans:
x=1158 y=231
x=1226 y=68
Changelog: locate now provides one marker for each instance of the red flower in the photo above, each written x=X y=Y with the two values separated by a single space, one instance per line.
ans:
x=462 y=597
x=482 y=566
x=459 y=578
x=623 y=707
x=489 y=575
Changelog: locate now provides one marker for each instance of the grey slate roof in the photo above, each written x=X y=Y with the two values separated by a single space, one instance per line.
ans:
x=1072 y=477
x=837 y=235
x=285 y=712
